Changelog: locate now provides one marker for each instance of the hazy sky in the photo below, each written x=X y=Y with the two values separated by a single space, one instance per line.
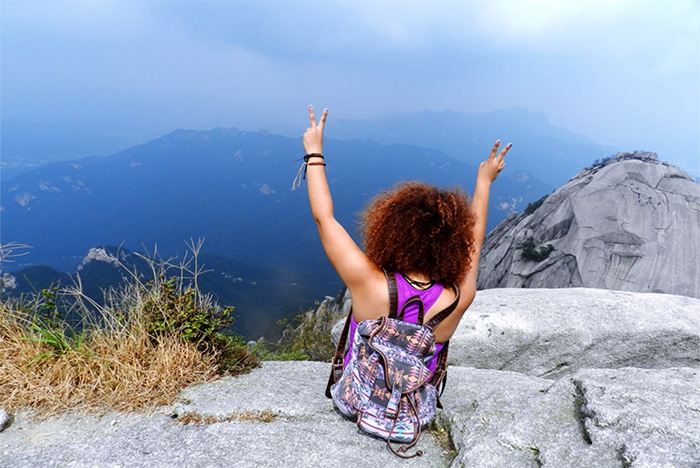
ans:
x=625 y=73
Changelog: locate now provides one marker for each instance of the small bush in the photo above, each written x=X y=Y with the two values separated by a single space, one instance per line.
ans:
x=231 y=355
x=282 y=351
x=170 y=307
x=531 y=207
x=531 y=252
x=51 y=368
x=137 y=351
x=311 y=335
x=305 y=337
x=602 y=162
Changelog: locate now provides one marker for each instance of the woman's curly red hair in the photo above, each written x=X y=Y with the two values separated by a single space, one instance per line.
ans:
x=416 y=227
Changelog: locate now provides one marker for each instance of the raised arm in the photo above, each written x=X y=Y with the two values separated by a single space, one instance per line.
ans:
x=488 y=171
x=347 y=258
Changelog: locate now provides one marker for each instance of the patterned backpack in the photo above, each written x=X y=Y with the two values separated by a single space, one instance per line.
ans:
x=387 y=384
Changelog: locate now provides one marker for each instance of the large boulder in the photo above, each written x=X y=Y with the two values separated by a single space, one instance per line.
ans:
x=611 y=418
x=277 y=416
x=631 y=223
x=553 y=332
x=604 y=379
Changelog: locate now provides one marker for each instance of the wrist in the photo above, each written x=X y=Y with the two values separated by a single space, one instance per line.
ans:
x=313 y=155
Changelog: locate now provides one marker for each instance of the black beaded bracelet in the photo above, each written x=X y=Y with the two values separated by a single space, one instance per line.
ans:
x=312 y=155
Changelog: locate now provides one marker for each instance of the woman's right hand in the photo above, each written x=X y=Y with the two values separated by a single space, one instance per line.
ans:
x=489 y=169
x=313 y=137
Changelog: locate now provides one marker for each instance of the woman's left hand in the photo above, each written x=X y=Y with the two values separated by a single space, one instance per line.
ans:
x=489 y=169
x=313 y=137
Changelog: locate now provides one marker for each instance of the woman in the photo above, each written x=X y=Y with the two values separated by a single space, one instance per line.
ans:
x=441 y=247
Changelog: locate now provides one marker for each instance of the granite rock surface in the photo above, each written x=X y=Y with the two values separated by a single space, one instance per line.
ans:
x=277 y=416
x=630 y=224
x=554 y=332
x=628 y=397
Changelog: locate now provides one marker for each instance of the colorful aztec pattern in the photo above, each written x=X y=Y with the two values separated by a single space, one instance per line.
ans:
x=385 y=384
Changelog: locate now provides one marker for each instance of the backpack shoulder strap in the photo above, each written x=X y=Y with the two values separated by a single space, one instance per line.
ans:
x=440 y=316
x=393 y=294
x=440 y=374
x=338 y=363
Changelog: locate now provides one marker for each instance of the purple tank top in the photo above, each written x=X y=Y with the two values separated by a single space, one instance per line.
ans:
x=406 y=291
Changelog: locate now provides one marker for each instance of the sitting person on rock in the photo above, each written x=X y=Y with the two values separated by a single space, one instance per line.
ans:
x=427 y=239
x=429 y=236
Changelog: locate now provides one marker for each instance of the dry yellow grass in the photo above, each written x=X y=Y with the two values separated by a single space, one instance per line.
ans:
x=136 y=350
x=196 y=419
x=112 y=368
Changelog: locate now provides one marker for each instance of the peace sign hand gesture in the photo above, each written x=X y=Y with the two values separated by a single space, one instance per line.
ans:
x=313 y=137
x=489 y=169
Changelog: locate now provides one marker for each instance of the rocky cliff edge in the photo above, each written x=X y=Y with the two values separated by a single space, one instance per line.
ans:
x=629 y=223
x=537 y=378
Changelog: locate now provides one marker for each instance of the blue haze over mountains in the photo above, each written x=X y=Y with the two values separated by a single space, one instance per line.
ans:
x=232 y=188
x=551 y=154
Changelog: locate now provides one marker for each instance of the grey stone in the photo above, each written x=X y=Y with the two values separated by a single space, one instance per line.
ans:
x=632 y=224
x=553 y=332
x=292 y=390
x=5 y=419
x=306 y=431
x=651 y=418
x=506 y=419
x=337 y=330
x=342 y=305
x=154 y=443
x=594 y=419
x=577 y=417
x=328 y=315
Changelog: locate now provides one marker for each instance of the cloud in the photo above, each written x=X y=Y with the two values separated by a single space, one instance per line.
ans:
x=623 y=72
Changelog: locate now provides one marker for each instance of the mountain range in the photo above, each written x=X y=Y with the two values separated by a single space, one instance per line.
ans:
x=552 y=154
x=630 y=223
x=233 y=188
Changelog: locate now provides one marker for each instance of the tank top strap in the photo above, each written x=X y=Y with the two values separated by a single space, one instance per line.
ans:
x=408 y=295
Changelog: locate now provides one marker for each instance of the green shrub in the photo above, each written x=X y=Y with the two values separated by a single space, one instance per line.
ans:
x=531 y=252
x=136 y=349
x=171 y=307
x=305 y=337
x=231 y=355
x=531 y=207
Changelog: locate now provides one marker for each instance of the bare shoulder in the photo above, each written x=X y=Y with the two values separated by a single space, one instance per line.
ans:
x=447 y=327
x=370 y=299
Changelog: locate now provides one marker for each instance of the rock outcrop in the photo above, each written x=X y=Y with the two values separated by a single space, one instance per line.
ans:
x=630 y=223
x=627 y=396
x=611 y=418
x=551 y=333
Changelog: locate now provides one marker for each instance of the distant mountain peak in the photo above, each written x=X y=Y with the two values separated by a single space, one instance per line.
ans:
x=628 y=223
x=553 y=154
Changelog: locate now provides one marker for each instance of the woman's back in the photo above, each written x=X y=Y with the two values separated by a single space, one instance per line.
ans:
x=373 y=302
x=428 y=234
x=433 y=237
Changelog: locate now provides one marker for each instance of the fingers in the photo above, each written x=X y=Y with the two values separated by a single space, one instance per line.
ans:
x=505 y=150
x=322 y=122
x=494 y=150
x=312 y=116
